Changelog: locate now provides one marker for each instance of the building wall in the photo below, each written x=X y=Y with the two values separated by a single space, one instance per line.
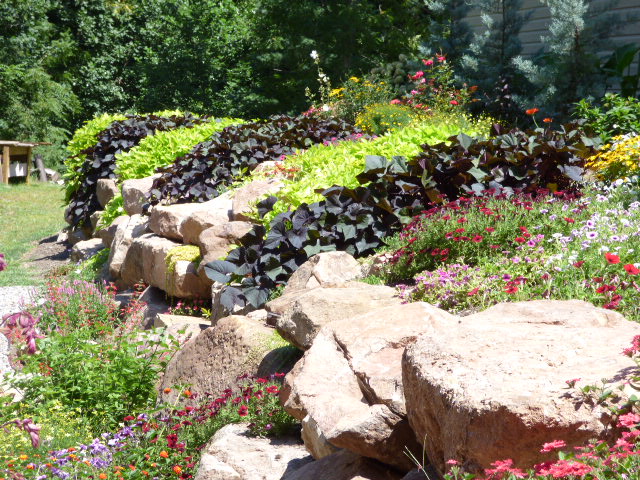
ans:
x=628 y=31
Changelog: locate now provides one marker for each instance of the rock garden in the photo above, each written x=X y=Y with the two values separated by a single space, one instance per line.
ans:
x=415 y=293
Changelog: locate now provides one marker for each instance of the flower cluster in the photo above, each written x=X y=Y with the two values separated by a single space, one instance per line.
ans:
x=618 y=159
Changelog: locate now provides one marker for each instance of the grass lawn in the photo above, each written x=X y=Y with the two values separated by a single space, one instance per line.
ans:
x=28 y=213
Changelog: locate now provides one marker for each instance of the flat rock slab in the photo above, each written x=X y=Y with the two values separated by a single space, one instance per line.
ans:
x=233 y=455
x=344 y=465
x=324 y=269
x=349 y=382
x=494 y=385
x=308 y=312
x=86 y=249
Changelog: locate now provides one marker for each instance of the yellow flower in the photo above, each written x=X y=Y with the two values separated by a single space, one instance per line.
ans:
x=354 y=79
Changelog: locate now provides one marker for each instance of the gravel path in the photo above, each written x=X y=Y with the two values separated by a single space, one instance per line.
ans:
x=11 y=301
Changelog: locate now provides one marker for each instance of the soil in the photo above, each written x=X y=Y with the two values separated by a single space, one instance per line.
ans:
x=48 y=256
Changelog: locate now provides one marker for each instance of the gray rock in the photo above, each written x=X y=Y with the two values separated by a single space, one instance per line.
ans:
x=135 y=193
x=84 y=250
x=106 y=190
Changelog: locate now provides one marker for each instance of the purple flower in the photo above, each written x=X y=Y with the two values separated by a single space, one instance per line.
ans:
x=3 y=263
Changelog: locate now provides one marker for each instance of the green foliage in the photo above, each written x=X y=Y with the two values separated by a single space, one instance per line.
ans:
x=396 y=74
x=614 y=115
x=355 y=95
x=322 y=166
x=234 y=152
x=83 y=138
x=104 y=379
x=569 y=67
x=165 y=147
x=112 y=210
x=619 y=69
x=489 y=61
x=91 y=269
x=380 y=118
x=100 y=163
x=448 y=32
x=190 y=253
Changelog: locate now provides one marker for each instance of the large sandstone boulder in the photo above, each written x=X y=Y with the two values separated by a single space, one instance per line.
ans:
x=106 y=189
x=233 y=455
x=345 y=465
x=494 y=387
x=307 y=313
x=107 y=234
x=214 y=359
x=146 y=260
x=127 y=229
x=135 y=193
x=324 y=269
x=86 y=249
x=203 y=216
x=245 y=196
x=215 y=242
x=349 y=381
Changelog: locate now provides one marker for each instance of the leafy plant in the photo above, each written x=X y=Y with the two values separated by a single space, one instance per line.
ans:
x=380 y=118
x=618 y=67
x=616 y=115
x=357 y=219
x=356 y=94
x=323 y=166
x=165 y=147
x=618 y=159
x=234 y=152
x=100 y=161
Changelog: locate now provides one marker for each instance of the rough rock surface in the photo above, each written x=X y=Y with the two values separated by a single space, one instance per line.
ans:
x=214 y=359
x=215 y=242
x=244 y=197
x=135 y=192
x=107 y=234
x=233 y=455
x=86 y=249
x=155 y=302
x=349 y=381
x=146 y=260
x=345 y=465
x=176 y=221
x=314 y=439
x=127 y=229
x=494 y=386
x=106 y=189
x=324 y=269
x=309 y=312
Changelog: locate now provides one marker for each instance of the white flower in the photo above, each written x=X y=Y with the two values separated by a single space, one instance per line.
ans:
x=314 y=54
x=326 y=108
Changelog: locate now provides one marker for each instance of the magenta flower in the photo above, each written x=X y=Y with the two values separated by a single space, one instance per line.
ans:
x=3 y=263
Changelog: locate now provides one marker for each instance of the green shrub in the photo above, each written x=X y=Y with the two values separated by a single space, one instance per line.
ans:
x=112 y=210
x=356 y=94
x=322 y=166
x=105 y=378
x=165 y=147
x=83 y=138
x=380 y=118
x=615 y=116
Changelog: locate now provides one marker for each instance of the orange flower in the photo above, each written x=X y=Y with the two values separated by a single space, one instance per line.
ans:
x=167 y=390
x=102 y=476
x=532 y=111
x=547 y=120
x=177 y=469
x=23 y=457
x=144 y=472
x=164 y=454
x=132 y=467
x=30 y=466
x=187 y=393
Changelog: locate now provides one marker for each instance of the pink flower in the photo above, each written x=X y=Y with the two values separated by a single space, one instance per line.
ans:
x=453 y=102
x=450 y=461
x=395 y=101
x=243 y=411
x=549 y=447
x=441 y=58
x=428 y=63
x=628 y=420
x=3 y=263
x=418 y=75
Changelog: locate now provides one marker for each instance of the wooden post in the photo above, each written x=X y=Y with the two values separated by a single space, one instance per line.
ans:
x=29 y=160
x=6 y=158
x=40 y=165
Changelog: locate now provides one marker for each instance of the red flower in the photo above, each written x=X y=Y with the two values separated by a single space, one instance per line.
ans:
x=462 y=220
x=428 y=63
x=243 y=411
x=453 y=102
x=532 y=111
x=490 y=229
x=524 y=229
x=459 y=230
x=631 y=269
x=511 y=289
x=273 y=389
x=578 y=264
x=612 y=258
x=473 y=292
x=547 y=120
x=548 y=447
x=477 y=239
x=520 y=239
x=569 y=220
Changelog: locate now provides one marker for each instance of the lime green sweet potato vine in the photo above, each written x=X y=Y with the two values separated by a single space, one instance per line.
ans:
x=322 y=166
